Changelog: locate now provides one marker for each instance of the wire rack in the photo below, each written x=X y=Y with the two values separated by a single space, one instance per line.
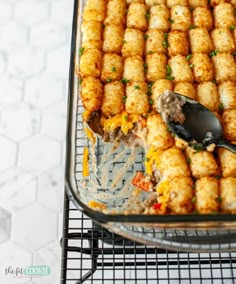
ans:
x=91 y=254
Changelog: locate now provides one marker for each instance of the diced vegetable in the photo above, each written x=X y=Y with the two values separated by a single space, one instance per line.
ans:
x=141 y=181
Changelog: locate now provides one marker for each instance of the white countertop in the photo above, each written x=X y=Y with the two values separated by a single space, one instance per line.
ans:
x=34 y=67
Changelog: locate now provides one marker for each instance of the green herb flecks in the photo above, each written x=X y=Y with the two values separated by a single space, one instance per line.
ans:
x=168 y=70
x=170 y=78
x=145 y=66
x=147 y=16
x=81 y=50
x=165 y=42
x=219 y=199
x=149 y=92
x=198 y=147
x=221 y=107
x=150 y=101
x=213 y=53
x=124 y=81
x=124 y=99
x=189 y=56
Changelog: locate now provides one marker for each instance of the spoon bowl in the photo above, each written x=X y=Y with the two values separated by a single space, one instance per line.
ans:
x=200 y=125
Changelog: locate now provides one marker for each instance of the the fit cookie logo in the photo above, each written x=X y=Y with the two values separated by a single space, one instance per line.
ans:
x=18 y=272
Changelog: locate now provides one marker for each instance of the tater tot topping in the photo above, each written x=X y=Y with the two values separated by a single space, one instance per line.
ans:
x=134 y=51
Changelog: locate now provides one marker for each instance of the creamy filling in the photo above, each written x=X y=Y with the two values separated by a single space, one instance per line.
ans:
x=170 y=107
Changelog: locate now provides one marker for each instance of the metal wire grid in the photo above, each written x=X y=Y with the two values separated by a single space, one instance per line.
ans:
x=93 y=255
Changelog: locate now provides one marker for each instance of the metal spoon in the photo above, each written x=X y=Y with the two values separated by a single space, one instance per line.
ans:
x=200 y=125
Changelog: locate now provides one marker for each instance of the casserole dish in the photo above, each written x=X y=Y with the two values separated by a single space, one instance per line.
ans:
x=111 y=170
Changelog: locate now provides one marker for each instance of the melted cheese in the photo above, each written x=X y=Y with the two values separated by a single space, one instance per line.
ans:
x=90 y=134
x=163 y=190
x=152 y=158
x=123 y=120
x=96 y=205
x=85 y=171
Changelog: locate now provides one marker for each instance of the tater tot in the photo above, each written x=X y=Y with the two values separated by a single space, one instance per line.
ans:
x=171 y=3
x=180 y=18
x=178 y=43
x=229 y=124
x=92 y=34
x=223 y=40
x=200 y=40
x=207 y=195
x=224 y=66
x=113 y=38
x=197 y=3
x=180 y=195
x=112 y=101
x=185 y=88
x=112 y=67
x=91 y=63
x=158 y=88
x=154 y=2
x=95 y=10
x=133 y=43
x=227 y=94
x=228 y=194
x=133 y=69
x=156 y=66
x=136 y=92
x=224 y=15
x=92 y=93
x=207 y=95
x=136 y=17
x=158 y=136
x=202 y=67
x=159 y=16
x=201 y=163
x=202 y=18
x=154 y=41
x=173 y=164
x=227 y=160
x=233 y=2
x=180 y=70
x=116 y=12
x=180 y=143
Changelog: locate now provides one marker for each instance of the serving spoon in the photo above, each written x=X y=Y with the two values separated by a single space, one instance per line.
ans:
x=200 y=126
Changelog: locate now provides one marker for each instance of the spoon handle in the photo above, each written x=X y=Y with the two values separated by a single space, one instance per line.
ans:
x=227 y=145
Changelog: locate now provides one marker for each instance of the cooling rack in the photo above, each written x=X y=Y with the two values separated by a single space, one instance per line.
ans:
x=92 y=255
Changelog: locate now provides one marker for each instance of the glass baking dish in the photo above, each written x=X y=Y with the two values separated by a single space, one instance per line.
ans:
x=110 y=173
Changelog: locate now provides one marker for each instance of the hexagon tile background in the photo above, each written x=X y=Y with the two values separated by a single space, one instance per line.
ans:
x=34 y=66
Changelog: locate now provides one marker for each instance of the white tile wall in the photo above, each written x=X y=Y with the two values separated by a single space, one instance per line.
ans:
x=34 y=66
